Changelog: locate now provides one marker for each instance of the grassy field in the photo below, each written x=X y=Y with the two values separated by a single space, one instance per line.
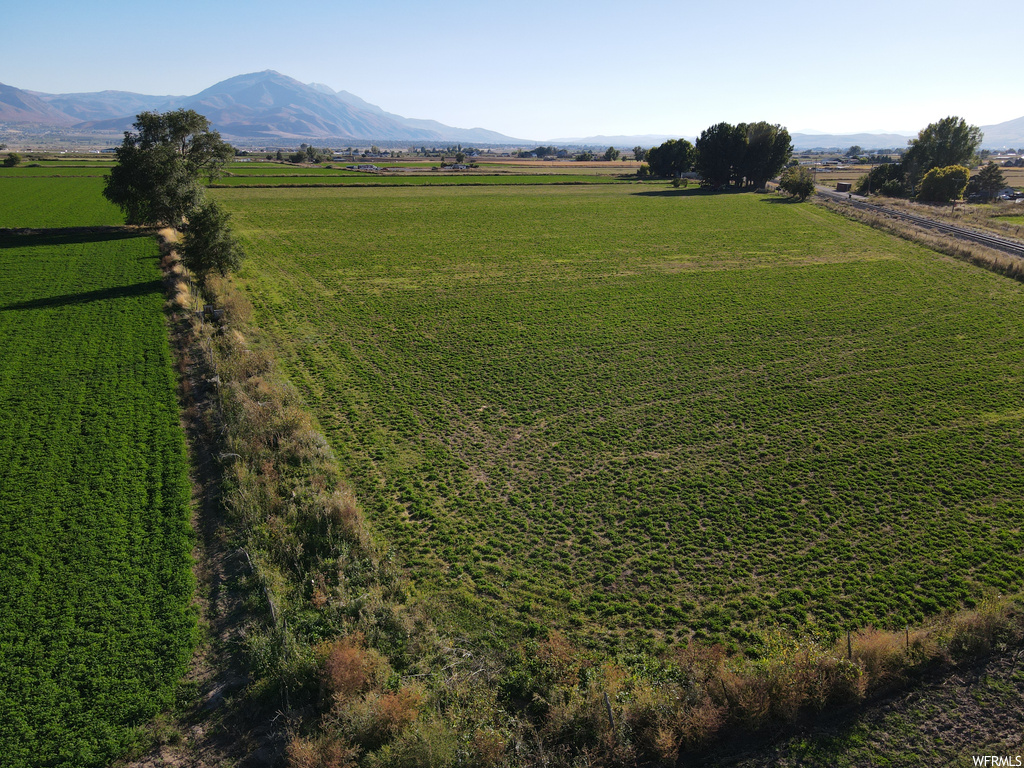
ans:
x=51 y=203
x=642 y=415
x=94 y=496
x=415 y=174
x=410 y=180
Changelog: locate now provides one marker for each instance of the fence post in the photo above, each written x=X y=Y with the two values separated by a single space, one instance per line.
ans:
x=608 y=706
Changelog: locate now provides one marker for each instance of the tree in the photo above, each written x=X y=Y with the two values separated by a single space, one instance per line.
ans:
x=611 y=154
x=639 y=154
x=798 y=181
x=950 y=141
x=942 y=185
x=854 y=151
x=159 y=166
x=584 y=156
x=460 y=157
x=988 y=181
x=719 y=153
x=767 y=148
x=209 y=245
x=12 y=160
x=672 y=158
x=886 y=179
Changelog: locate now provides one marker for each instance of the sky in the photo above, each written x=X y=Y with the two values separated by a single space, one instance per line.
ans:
x=547 y=69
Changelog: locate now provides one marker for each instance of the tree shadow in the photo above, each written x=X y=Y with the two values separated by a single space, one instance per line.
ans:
x=30 y=238
x=682 y=192
x=101 y=294
x=775 y=199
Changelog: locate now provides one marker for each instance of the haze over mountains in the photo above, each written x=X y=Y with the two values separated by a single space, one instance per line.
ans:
x=268 y=108
x=265 y=107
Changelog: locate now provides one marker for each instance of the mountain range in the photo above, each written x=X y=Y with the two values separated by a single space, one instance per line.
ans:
x=268 y=108
x=265 y=107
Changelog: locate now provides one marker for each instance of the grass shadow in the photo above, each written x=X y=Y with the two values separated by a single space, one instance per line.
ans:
x=102 y=294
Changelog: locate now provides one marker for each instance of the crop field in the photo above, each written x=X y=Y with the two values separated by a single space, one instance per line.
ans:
x=32 y=170
x=94 y=495
x=286 y=169
x=643 y=415
x=455 y=178
x=55 y=202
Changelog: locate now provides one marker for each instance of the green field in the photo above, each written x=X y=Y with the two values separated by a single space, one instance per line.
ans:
x=641 y=415
x=54 y=203
x=353 y=178
x=94 y=495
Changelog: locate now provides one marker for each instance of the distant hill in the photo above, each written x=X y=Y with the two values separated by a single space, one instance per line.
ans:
x=1008 y=134
x=645 y=140
x=18 y=106
x=265 y=106
x=1004 y=135
x=83 y=107
x=846 y=140
x=270 y=108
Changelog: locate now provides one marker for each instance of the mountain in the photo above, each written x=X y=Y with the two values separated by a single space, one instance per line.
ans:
x=18 y=106
x=1000 y=135
x=103 y=105
x=643 y=140
x=265 y=106
x=847 y=140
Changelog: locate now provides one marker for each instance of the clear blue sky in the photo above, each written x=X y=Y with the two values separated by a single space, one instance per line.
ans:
x=545 y=69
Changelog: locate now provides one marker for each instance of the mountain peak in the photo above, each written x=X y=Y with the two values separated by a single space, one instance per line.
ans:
x=321 y=87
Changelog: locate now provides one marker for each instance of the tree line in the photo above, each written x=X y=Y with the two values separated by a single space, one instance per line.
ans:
x=936 y=166
x=745 y=155
x=158 y=181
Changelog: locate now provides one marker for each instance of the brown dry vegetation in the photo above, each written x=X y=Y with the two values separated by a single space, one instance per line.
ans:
x=1000 y=218
x=987 y=258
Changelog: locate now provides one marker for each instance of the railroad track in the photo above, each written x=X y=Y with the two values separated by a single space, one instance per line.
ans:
x=1004 y=244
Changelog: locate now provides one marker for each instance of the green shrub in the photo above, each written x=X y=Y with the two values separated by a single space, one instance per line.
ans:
x=941 y=185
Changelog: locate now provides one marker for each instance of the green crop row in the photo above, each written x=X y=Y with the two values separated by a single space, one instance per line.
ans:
x=639 y=415
x=94 y=496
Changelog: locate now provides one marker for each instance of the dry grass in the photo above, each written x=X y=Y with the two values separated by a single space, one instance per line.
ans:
x=987 y=258
x=989 y=217
x=350 y=668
